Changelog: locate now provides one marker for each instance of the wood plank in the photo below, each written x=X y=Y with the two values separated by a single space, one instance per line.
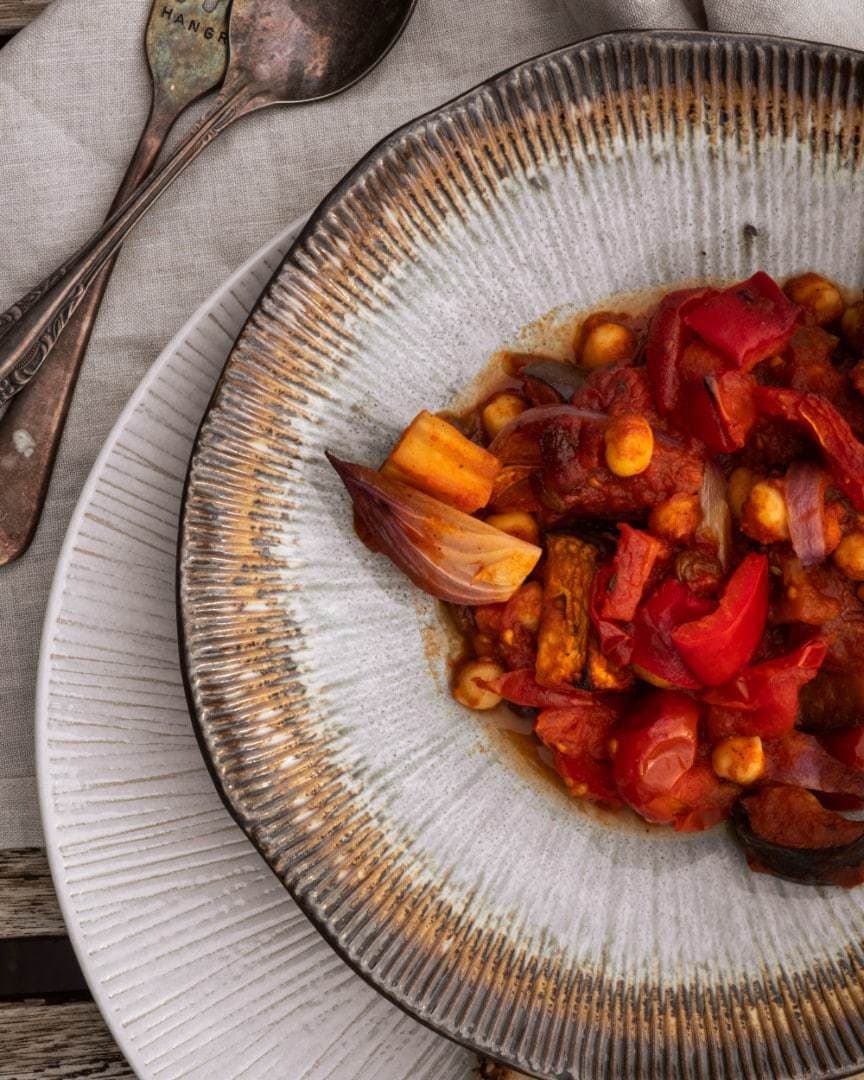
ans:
x=41 y=1041
x=40 y=967
x=15 y=14
x=28 y=905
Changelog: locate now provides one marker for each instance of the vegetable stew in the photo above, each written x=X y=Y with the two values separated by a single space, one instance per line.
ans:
x=656 y=548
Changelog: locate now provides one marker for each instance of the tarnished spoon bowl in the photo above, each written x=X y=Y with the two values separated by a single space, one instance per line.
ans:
x=281 y=52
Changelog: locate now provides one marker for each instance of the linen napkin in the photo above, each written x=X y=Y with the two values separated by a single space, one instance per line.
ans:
x=73 y=97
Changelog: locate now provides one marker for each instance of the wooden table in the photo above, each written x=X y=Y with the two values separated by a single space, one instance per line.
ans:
x=49 y=1027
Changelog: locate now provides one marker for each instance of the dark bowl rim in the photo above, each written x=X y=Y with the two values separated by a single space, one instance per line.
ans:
x=333 y=196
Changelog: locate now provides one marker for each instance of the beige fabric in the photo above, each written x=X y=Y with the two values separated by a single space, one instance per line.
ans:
x=73 y=96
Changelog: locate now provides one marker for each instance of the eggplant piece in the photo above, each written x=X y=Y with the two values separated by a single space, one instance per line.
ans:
x=834 y=699
x=565 y=379
x=787 y=832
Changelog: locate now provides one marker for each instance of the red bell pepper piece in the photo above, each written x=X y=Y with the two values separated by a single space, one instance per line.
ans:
x=747 y=323
x=522 y=688
x=718 y=646
x=665 y=343
x=763 y=699
x=720 y=411
x=844 y=454
x=656 y=746
x=800 y=759
x=635 y=556
x=616 y=638
x=704 y=799
x=654 y=655
x=580 y=739
x=587 y=777
x=847 y=745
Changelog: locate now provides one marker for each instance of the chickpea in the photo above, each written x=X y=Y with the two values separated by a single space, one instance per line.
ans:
x=849 y=556
x=676 y=519
x=740 y=484
x=856 y=377
x=484 y=644
x=740 y=759
x=528 y=605
x=852 y=325
x=833 y=526
x=498 y=413
x=764 y=516
x=607 y=343
x=817 y=295
x=468 y=691
x=629 y=445
x=516 y=523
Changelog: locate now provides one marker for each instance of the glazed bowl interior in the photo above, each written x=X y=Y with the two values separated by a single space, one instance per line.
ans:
x=465 y=887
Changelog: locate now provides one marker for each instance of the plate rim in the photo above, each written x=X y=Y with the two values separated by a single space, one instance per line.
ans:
x=635 y=37
x=47 y=811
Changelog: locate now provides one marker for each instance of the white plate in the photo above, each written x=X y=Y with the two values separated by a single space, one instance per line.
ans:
x=199 y=960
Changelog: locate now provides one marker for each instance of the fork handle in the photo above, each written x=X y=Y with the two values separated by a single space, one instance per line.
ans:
x=33 y=424
x=31 y=327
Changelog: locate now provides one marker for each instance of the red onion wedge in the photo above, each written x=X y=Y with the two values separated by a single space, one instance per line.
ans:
x=445 y=552
x=716 y=526
x=805 y=500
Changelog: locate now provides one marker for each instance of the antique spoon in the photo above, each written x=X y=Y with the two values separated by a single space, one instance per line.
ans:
x=186 y=42
x=281 y=52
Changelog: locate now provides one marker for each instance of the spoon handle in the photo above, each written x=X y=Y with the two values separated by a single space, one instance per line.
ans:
x=30 y=328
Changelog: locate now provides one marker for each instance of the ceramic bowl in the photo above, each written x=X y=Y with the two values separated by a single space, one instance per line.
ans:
x=473 y=894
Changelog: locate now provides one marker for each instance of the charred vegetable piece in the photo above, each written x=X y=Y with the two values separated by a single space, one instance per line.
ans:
x=655 y=748
x=808 y=365
x=787 y=832
x=635 y=557
x=665 y=344
x=446 y=553
x=747 y=323
x=615 y=392
x=844 y=454
x=519 y=442
x=834 y=700
x=763 y=699
x=577 y=482
x=717 y=646
x=615 y=638
x=654 y=655
x=436 y=458
x=562 y=644
x=603 y=673
x=800 y=759
x=563 y=379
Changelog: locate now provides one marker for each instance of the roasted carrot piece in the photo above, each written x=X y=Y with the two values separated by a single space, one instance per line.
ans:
x=562 y=642
x=434 y=456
